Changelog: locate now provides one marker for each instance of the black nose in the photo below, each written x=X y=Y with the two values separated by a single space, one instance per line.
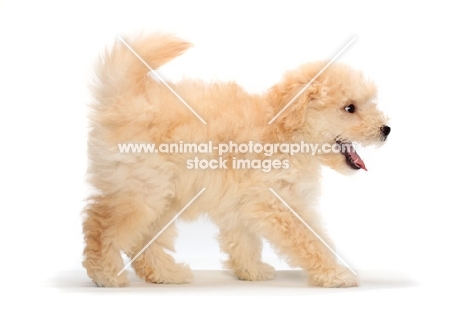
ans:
x=385 y=130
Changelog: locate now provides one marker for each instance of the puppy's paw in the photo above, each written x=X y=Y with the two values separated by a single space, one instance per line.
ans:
x=337 y=277
x=110 y=280
x=173 y=274
x=260 y=272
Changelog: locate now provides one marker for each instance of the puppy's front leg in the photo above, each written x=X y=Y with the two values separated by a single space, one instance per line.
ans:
x=298 y=244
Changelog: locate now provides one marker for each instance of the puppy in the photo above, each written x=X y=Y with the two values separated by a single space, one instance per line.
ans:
x=139 y=193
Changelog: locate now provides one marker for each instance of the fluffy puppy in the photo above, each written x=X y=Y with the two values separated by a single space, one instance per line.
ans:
x=137 y=194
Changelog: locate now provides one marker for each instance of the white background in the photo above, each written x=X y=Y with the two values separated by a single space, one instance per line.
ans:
x=406 y=216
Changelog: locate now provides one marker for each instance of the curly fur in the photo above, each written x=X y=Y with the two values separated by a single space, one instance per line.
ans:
x=137 y=194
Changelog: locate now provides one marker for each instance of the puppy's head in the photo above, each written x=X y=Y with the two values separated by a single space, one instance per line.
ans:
x=337 y=109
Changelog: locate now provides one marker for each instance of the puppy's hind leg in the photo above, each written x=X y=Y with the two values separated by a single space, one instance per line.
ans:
x=114 y=223
x=154 y=264
x=245 y=250
x=103 y=260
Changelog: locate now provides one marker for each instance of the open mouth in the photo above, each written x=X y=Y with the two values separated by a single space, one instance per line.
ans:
x=352 y=158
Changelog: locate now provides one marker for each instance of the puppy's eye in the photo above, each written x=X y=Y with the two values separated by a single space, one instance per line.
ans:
x=350 y=108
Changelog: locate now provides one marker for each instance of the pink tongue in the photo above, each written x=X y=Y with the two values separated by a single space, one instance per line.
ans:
x=356 y=158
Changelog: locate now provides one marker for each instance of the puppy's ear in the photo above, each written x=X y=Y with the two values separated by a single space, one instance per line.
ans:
x=294 y=116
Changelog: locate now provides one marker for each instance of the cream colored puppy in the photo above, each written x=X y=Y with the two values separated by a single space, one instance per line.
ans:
x=137 y=194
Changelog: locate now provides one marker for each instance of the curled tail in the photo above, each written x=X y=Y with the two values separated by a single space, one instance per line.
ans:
x=120 y=70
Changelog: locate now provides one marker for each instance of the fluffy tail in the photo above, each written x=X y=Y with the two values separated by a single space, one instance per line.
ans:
x=121 y=71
